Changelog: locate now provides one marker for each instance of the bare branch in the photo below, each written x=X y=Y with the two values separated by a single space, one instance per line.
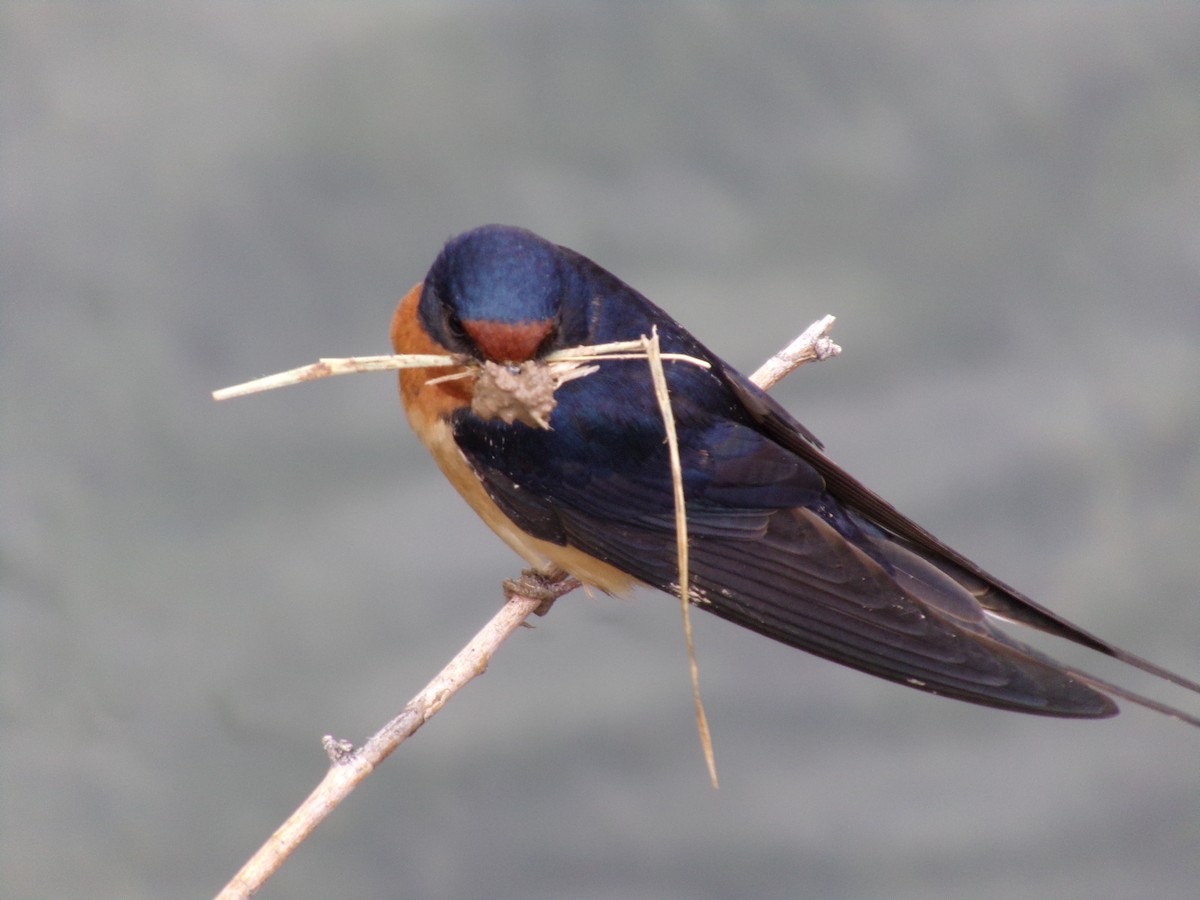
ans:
x=812 y=346
x=351 y=766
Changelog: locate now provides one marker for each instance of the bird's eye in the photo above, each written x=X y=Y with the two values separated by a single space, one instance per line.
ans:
x=455 y=326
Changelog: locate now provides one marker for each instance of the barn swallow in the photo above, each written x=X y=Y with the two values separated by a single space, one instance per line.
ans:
x=782 y=541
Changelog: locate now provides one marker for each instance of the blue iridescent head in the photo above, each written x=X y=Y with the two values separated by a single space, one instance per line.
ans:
x=495 y=293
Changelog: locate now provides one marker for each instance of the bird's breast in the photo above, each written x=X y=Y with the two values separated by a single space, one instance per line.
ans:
x=429 y=408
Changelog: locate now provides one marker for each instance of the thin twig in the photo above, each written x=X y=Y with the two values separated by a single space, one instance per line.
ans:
x=813 y=345
x=351 y=365
x=350 y=766
x=326 y=368
x=659 y=377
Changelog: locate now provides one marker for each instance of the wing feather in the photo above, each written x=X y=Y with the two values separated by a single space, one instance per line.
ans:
x=792 y=576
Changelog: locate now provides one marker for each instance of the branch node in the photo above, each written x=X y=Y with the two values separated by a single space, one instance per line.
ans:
x=338 y=750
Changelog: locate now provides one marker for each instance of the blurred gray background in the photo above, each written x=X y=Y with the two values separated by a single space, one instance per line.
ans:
x=999 y=202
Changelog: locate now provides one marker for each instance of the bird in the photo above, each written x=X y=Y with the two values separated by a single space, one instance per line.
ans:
x=782 y=541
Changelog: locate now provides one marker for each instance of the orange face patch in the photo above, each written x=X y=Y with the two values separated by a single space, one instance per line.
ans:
x=501 y=342
x=421 y=400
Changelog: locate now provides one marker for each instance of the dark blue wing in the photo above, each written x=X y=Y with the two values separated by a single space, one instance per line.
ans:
x=772 y=548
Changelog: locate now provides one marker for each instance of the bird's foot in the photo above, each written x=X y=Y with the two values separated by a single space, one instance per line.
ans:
x=544 y=586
